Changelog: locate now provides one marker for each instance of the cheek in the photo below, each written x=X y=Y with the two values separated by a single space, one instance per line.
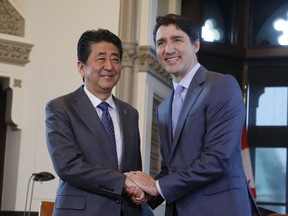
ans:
x=95 y=71
x=189 y=53
x=117 y=69
x=159 y=57
x=159 y=52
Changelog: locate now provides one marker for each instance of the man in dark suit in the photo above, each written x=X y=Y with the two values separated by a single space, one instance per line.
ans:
x=90 y=162
x=201 y=170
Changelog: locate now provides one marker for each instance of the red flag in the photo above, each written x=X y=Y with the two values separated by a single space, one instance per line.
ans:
x=247 y=162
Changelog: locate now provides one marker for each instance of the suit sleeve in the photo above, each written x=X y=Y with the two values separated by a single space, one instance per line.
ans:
x=68 y=159
x=222 y=113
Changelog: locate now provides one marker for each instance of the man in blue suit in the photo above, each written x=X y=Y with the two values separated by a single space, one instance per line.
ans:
x=90 y=162
x=201 y=170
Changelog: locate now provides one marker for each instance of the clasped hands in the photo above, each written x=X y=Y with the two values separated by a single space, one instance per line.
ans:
x=140 y=186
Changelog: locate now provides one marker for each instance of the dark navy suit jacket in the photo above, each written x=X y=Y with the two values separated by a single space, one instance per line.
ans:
x=201 y=171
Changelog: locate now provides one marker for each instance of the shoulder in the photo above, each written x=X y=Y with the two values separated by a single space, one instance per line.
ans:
x=124 y=105
x=67 y=98
x=220 y=79
x=223 y=88
x=207 y=77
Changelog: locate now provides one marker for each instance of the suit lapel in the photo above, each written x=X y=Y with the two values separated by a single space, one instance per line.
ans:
x=88 y=114
x=193 y=92
x=165 y=116
x=123 y=117
x=86 y=111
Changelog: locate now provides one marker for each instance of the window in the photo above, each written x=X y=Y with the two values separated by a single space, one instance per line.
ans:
x=213 y=25
x=270 y=178
x=211 y=32
x=281 y=25
x=268 y=134
x=271 y=23
x=272 y=109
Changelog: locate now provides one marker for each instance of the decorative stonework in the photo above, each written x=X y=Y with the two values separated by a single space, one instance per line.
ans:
x=11 y=22
x=149 y=63
x=17 y=83
x=129 y=53
x=14 y=52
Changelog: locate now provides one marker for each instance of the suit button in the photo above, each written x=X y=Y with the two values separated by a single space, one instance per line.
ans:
x=172 y=169
x=118 y=201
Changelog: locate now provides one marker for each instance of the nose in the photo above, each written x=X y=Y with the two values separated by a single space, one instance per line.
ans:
x=108 y=65
x=169 y=49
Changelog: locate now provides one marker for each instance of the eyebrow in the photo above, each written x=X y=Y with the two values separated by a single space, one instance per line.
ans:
x=177 y=37
x=105 y=53
x=160 y=40
x=173 y=37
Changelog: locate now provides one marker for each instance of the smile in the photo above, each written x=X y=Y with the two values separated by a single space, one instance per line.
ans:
x=172 y=59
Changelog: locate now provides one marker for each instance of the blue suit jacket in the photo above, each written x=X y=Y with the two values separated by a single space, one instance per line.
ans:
x=90 y=183
x=201 y=170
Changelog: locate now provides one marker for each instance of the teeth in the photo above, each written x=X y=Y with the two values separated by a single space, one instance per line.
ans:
x=172 y=59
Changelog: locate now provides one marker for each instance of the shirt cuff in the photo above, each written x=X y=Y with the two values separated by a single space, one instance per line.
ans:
x=159 y=189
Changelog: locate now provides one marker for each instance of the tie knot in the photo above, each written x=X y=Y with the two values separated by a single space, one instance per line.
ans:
x=103 y=106
x=179 y=89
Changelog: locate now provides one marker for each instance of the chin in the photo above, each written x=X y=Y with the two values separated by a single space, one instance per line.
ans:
x=174 y=72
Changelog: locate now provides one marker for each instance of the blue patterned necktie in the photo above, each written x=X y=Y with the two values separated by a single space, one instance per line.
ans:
x=177 y=105
x=108 y=126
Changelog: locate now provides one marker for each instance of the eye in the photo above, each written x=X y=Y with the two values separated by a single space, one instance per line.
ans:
x=116 y=60
x=100 y=59
x=177 y=40
x=160 y=43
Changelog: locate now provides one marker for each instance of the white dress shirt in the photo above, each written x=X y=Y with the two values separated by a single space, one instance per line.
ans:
x=114 y=116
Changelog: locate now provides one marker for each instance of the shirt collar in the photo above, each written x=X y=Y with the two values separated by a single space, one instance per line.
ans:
x=186 y=80
x=96 y=101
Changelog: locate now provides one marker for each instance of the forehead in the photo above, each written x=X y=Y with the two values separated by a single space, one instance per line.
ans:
x=104 y=47
x=171 y=30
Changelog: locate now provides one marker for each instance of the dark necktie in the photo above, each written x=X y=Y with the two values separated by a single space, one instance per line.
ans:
x=108 y=126
x=177 y=105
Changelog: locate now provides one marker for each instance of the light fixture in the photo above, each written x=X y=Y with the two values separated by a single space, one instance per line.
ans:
x=39 y=177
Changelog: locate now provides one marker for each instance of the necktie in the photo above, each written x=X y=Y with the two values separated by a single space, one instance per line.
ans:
x=177 y=105
x=108 y=126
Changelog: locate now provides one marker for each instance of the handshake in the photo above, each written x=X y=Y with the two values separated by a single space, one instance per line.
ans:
x=140 y=186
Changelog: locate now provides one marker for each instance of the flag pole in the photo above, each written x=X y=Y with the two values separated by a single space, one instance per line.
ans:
x=246 y=157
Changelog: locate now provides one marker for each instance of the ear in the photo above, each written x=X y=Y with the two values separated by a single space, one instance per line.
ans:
x=81 y=68
x=196 y=45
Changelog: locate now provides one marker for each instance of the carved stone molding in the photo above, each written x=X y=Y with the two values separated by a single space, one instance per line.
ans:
x=14 y=52
x=149 y=63
x=129 y=53
x=124 y=86
x=11 y=22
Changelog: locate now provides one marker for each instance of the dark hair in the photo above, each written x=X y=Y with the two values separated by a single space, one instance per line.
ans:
x=95 y=36
x=180 y=22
